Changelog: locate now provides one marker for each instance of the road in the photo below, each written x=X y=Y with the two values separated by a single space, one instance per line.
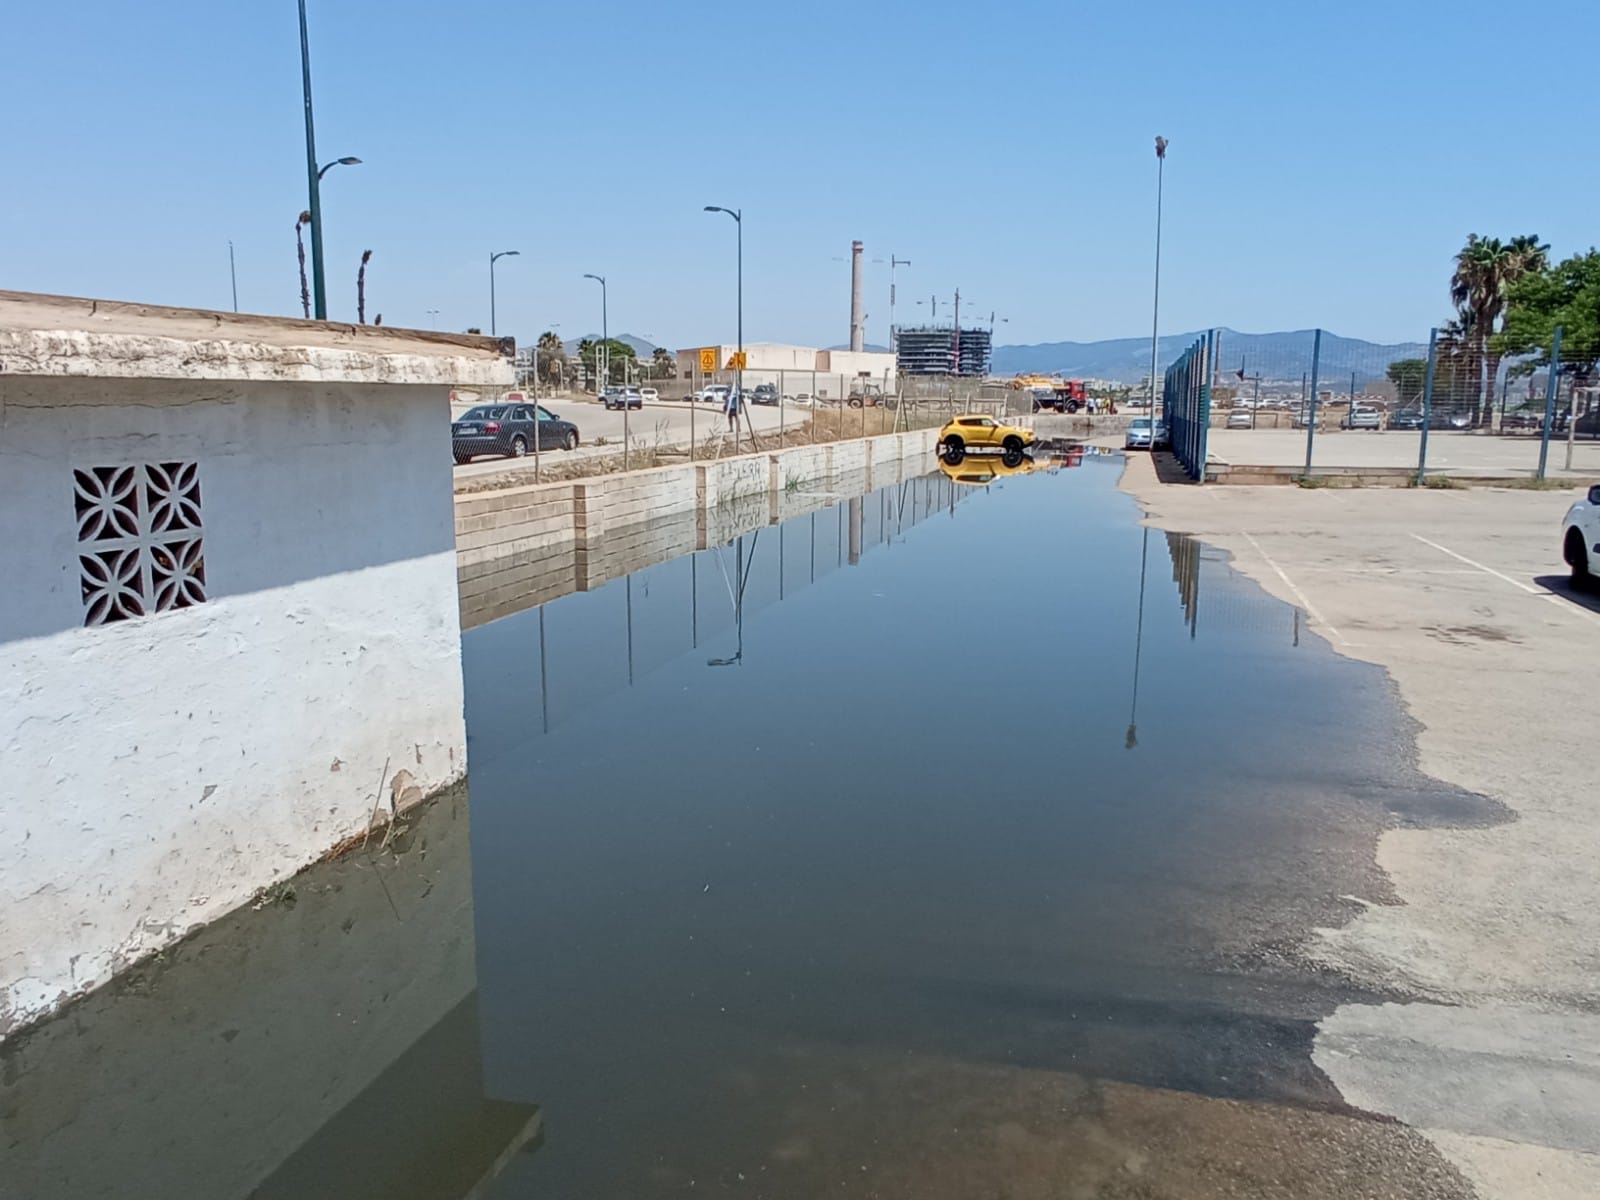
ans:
x=1491 y=1046
x=666 y=423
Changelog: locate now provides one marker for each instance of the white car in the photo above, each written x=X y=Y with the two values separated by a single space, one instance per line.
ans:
x=716 y=393
x=1241 y=418
x=1141 y=437
x=1580 y=539
x=649 y=395
x=805 y=398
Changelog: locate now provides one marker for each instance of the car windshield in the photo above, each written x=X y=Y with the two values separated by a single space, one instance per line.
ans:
x=484 y=412
x=1140 y=423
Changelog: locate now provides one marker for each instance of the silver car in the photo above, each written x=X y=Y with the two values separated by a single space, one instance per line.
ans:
x=1145 y=433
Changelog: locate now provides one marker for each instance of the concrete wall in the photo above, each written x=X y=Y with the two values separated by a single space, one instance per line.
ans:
x=161 y=770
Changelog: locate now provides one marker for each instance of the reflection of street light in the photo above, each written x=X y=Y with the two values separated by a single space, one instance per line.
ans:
x=1155 y=307
x=492 y=258
x=1138 y=646
x=742 y=573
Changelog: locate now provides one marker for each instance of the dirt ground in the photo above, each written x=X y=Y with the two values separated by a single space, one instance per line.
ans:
x=1461 y=596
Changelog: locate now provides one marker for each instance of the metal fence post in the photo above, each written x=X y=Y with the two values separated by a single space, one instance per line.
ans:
x=1203 y=433
x=1311 y=421
x=1427 y=406
x=1550 y=390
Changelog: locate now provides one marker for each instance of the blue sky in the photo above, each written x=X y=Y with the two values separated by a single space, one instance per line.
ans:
x=1325 y=162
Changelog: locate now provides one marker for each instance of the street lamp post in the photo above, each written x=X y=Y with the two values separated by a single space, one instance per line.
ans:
x=314 y=176
x=602 y=362
x=738 y=378
x=1155 y=307
x=893 y=263
x=493 y=332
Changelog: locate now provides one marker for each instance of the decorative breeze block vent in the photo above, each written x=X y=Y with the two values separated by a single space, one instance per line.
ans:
x=140 y=549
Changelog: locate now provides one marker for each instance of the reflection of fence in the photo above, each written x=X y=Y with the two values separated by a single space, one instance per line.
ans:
x=585 y=647
x=1186 y=404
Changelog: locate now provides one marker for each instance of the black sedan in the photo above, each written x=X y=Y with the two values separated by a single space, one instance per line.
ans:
x=508 y=429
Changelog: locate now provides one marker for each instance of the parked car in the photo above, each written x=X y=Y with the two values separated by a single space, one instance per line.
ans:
x=649 y=395
x=981 y=471
x=1363 y=418
x=715 y=393
x=1580 y=538
x=1145 y=433
x=981 y=432
x=763 y=393
x=1241 y=418
x=1411 y=419
x=508 y=430
x=622 y=397
x=805 y=398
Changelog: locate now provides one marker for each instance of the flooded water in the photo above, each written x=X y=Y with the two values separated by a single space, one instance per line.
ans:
x=944 y=842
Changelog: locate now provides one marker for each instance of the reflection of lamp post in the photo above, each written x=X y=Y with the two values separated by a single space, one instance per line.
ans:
x=742 y=574
x=1138 y=647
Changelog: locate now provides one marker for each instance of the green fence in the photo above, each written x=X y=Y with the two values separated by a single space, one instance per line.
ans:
x=1186 y=405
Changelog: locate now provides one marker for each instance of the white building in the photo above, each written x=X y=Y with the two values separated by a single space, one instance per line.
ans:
x=829 y=374
x=229 y=631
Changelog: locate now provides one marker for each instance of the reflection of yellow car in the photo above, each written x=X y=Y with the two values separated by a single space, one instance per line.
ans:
x=978 y=471
x=978 y=432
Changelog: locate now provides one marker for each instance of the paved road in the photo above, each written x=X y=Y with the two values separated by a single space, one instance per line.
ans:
x=1459 y=453
x=1489 y=937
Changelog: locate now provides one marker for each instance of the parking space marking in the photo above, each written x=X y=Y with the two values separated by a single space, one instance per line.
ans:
x=1293 y=587
x=1559 y=601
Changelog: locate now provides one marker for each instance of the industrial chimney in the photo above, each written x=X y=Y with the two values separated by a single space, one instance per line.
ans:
x=857 y=320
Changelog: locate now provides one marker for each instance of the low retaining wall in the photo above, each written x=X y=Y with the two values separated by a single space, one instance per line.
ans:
x=520 y=547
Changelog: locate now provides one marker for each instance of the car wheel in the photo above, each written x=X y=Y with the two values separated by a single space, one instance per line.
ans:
x=519 y=447
x=1011 y=458
x=461 y=458
x=953 y=445
x=570 y=442
x=1012 y=445
x=1578 y=559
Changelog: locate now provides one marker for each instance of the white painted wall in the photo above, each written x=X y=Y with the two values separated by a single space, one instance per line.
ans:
x=158 y=772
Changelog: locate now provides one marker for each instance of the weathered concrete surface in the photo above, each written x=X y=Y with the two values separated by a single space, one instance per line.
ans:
x=107 y=339
x=1458 y=595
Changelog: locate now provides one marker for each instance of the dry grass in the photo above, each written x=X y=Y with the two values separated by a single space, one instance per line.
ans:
x=824 y=425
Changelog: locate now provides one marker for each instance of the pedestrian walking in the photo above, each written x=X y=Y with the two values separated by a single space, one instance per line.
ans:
x=732 y=409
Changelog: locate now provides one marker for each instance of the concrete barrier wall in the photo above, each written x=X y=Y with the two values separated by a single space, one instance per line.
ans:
x=852 y=456
x=494 y=524
x=732 y=479
x=803 y=467
x=609 y=502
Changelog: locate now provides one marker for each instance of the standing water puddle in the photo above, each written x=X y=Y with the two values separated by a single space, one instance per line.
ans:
x=941 y=843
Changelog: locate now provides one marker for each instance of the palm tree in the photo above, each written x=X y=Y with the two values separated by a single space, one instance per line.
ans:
x=361 y=288
x=664 y=363
x=301 y=222
x=551 y=353
x=1485 y=269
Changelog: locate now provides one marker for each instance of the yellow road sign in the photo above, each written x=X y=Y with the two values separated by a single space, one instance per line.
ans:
x=708 y=359
x=736 y=361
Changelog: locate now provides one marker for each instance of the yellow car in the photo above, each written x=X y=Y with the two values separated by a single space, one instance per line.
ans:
x=978 y=472
x=978 y=432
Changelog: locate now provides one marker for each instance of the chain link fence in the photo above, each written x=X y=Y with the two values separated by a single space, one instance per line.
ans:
x=1314 y=406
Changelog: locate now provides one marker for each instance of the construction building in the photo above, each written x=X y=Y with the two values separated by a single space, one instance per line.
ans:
x=942 y=350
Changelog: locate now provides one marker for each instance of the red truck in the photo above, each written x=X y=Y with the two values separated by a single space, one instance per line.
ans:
x=1068 y=396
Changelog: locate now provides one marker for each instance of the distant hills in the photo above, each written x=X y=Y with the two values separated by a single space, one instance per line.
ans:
x=869 y=347
x=641 y=347
x=1275 y=356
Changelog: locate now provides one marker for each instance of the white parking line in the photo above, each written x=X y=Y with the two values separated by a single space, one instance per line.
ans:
x=1559 y=601
x=1299 y=595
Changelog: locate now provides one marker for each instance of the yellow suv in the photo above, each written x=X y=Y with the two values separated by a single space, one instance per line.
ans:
x=978 y=432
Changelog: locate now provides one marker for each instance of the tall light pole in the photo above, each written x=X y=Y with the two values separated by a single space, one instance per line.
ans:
x=602 y=350
x=493 y=332
x=893 y=263
x=738 y=380
x=1155 y=307
x=314 y=176
x=233 y=276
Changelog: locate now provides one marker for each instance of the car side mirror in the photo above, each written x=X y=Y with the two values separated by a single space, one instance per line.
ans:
x=1594 y=494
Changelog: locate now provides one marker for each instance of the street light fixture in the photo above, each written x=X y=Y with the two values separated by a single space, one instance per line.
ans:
x=738 y=379
x=314 y=175
x=500 y=254
x=893 y=263
x=1155 y=306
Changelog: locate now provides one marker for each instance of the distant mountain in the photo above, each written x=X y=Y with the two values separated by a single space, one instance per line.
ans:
x=641 y=347
x=867 y=346
x=1275 y=356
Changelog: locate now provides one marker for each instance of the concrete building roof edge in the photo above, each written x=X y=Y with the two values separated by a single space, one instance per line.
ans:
x=64 y=336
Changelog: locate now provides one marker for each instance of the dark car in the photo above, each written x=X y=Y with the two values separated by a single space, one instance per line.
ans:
x=1411 y=419
x=764 y=393
x=622 y=397
x=508 y=429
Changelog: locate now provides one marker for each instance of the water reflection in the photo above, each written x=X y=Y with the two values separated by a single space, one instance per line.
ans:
x=716 y=903
x=326 y=1042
